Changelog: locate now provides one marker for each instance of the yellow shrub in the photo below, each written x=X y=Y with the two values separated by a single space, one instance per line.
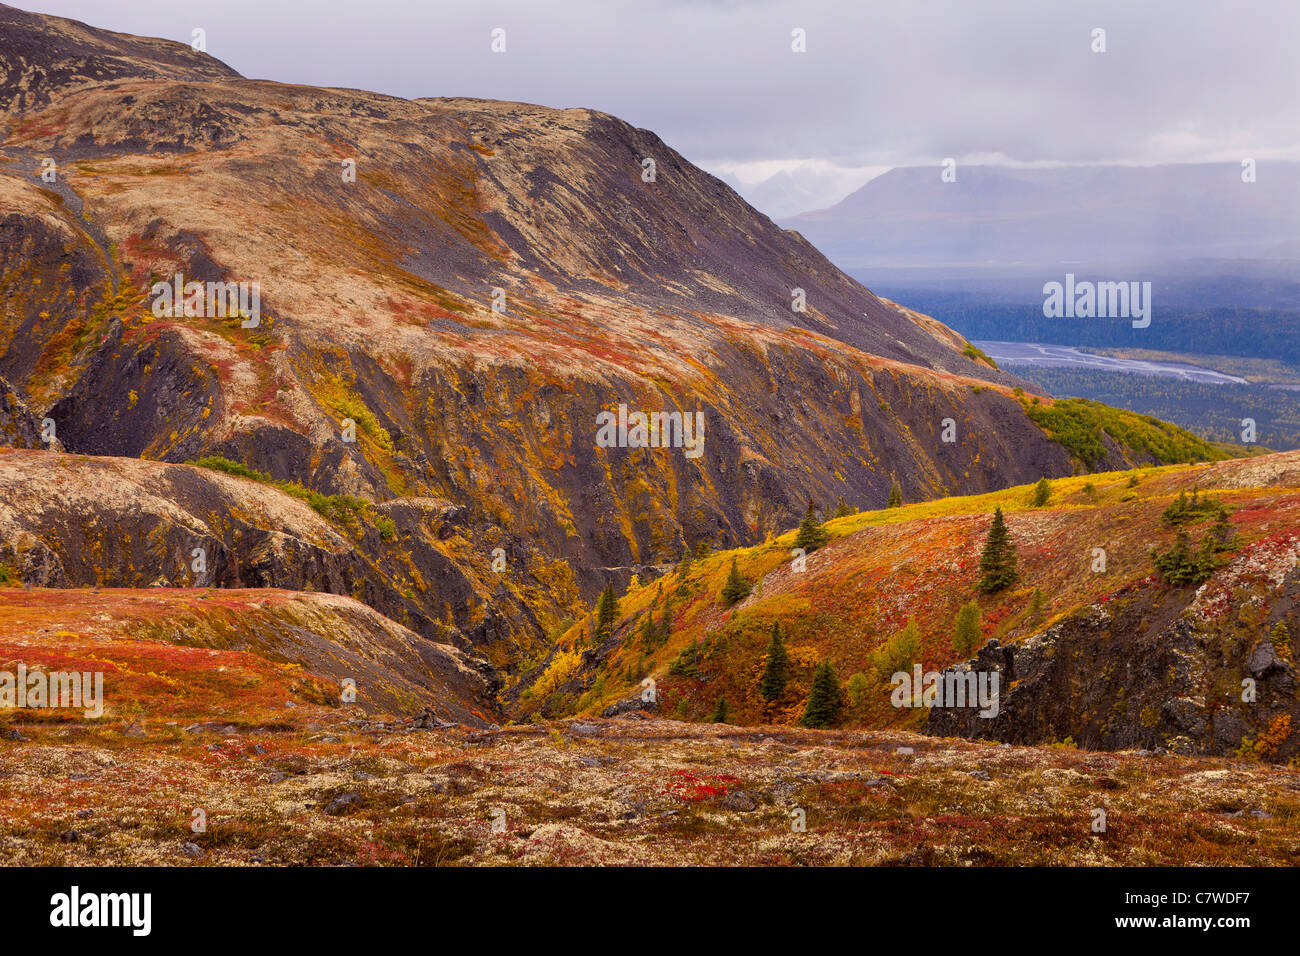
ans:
x=560 y=669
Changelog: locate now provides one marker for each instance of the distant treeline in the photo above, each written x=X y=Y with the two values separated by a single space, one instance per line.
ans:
x=1214 y=412
x=1255 y=333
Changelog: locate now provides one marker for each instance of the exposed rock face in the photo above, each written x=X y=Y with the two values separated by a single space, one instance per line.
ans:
x=627 y=705
x=42 y=56
x=1185 y=670
x=73 y=521
x=18 y=426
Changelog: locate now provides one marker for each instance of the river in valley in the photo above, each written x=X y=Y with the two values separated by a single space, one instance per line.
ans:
x=1065 y=356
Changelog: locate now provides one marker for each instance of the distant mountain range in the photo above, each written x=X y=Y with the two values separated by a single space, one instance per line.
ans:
x=794 y=191
x=995 y=219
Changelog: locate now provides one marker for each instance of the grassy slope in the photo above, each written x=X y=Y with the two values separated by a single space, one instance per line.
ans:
x=244 y=656
x=882 y=567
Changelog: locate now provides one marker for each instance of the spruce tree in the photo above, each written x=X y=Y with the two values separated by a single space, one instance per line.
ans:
x=811 y=534
x=772 y=686
x=606 y=614
x=649 y=631
x=737 y=588
x=1037 y=605
x=719 y=715
x=1222 y=531
x=1207 y=559
x=825 y=700
x=686 y=664
x=998 y=560
x=895 y=496
x=1181 y=565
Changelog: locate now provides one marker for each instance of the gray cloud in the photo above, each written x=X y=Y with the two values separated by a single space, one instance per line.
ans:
x=882 y=84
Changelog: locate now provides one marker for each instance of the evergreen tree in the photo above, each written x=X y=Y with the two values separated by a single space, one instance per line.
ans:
x=1042 y=492
x=649 y=631
x=811 y=534
x=895 y=496
x=686 y=664
x=772 y=685
x=1175 y=563
x=1181 y=565
x=966 y=629
x=737 y=588
x=719 y=715
x=843 y=509
x=1183 y=508
x=1222 y=531
x=1177 y=510
x=606 y=615
x=998 y=560
x=825 y=700
x=684 y=568
x=1037 y=605
x=1207 y=558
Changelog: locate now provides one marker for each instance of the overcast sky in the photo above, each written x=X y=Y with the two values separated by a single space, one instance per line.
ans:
x=903 y=82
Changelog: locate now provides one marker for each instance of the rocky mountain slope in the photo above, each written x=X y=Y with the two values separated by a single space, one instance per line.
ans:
x=1091 y=644
x=42 y=57
x=71 y=521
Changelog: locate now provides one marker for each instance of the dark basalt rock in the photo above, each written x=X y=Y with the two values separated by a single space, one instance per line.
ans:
x=1133 y=674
